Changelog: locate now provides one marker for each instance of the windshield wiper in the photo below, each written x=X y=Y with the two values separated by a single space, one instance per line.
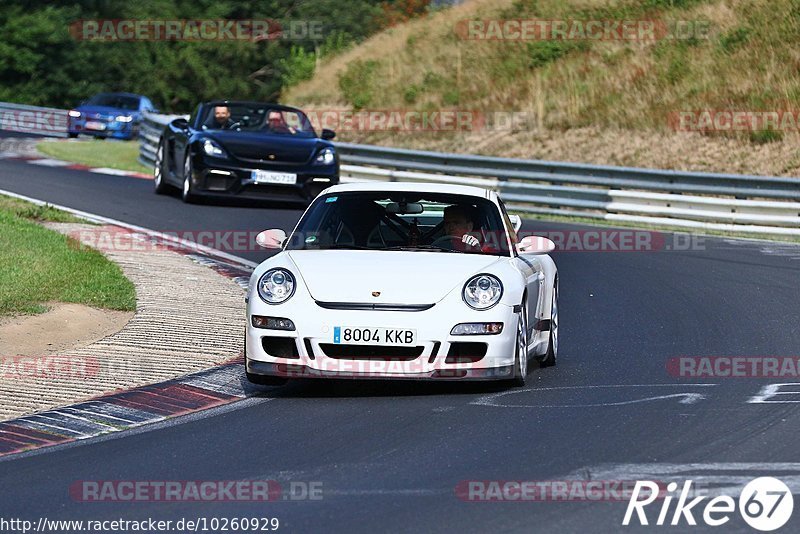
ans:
x=343 y=246
x=423 y=247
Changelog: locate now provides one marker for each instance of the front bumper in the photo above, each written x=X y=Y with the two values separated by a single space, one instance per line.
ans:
x=113 y=129
x=309 y=351
x=363 y=371
x=220 y=177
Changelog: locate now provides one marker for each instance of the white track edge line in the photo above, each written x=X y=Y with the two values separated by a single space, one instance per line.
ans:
x=106 y=220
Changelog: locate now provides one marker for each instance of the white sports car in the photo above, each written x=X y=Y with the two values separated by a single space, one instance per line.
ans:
x=402 y=281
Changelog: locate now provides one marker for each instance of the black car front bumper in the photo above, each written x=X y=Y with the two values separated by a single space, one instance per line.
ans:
x=221 y=177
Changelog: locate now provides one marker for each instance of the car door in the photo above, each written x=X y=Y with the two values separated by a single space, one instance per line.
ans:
x=530 y=269
x=180 y=143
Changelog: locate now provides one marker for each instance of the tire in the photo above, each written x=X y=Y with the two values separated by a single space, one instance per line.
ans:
x=261 y=380
x=521 y=352
x=550 y=357
x=159 y=167
x=72 y=135
x=186 y=191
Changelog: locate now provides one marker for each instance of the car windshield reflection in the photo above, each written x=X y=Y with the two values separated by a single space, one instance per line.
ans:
x=409 y=222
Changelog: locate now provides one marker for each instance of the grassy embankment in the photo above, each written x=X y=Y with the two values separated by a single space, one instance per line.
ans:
x=121 y=155
x=38 y=265
x=598 y=101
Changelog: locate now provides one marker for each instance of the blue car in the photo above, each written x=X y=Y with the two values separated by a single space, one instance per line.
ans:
x=104 y=115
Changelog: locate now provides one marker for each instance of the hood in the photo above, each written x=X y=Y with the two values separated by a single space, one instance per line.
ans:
x=401 y=277
x=259 y=146
x=105 y=112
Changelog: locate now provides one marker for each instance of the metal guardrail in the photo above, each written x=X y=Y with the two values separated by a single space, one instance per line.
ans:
x=150 y=130
x=705 y=201
x=731 y=202
x=33 y=120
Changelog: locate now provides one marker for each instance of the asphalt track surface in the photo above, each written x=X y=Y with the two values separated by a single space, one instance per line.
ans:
x=389 y=456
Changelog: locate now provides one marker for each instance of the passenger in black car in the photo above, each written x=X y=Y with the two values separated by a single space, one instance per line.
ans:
x=222 y=118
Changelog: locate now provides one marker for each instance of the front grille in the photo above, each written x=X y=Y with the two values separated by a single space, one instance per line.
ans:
x=280 y=347
x=465 y=352
x=370 y=352
x=218 y=182
x=372 y=306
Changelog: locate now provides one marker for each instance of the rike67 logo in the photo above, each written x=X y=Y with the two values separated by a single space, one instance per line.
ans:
x=765 y=504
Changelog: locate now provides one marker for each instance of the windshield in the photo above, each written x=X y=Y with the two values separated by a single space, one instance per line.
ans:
x=410 y=221
x=260 y=118
x=114 y=101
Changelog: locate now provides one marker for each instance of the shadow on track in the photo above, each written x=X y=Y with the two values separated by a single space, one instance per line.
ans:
x=235 y=202
x=353 y=388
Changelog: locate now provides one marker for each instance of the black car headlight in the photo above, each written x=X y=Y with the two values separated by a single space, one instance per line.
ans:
x=276 y=286
x=212 y=148
x=326 y=157
x=482 y=291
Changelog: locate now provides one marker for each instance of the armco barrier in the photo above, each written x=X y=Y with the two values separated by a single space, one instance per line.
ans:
x=730 y=202
x=703 y=201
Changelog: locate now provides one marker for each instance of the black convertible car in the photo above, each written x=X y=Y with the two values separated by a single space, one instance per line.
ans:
x=248 y=150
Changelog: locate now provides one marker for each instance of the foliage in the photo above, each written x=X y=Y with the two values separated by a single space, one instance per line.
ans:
x=42 y=62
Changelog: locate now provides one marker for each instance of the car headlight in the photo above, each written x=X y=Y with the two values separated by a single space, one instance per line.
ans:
x=276 y=286
x=124 y=118
x=483 y=291
x=212 y=148
x=326 y=157
x=74 y=113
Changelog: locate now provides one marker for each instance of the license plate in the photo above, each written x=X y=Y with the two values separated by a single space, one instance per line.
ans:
x=269 y=177
x=94 y=125
x=355 y=335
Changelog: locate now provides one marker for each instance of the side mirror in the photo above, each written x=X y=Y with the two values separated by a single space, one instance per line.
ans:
x=516 y=222
x=181 y=123
x=327 y=134
x=533 y=244
x=271 y=238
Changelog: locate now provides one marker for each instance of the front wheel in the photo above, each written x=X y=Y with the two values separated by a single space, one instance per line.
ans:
x=158 y=170
x=549 y=359
x=521 y=350
x=186 y=191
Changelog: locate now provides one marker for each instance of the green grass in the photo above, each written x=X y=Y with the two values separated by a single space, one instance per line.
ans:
x=38 y=265
x=121 y=155
x=26 y=210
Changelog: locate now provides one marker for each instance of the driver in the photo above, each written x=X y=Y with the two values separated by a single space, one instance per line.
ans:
x=458 y=225
x=222 y=118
